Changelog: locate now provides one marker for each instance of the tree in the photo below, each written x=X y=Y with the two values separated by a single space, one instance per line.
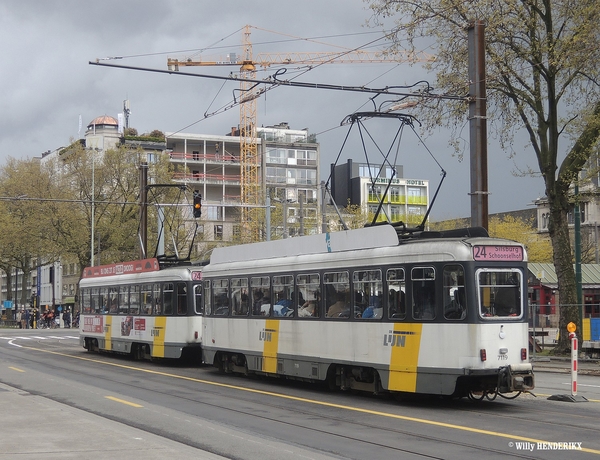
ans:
x=26 y=236
x=114 y=193
x=542 y=76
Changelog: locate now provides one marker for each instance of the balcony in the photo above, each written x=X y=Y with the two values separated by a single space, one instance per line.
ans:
x=215 y=179
x=214 y=158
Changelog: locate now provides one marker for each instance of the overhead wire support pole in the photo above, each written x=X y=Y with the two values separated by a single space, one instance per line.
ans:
x=478 y=125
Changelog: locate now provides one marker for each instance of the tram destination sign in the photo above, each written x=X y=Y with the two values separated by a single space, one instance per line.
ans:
x=498 y=253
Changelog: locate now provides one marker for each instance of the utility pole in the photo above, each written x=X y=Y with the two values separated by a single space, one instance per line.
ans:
x=478 y=125
x=143 y=210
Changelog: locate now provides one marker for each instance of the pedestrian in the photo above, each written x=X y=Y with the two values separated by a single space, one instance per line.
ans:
x=26 y=319
x=18 y=318
x=67 y=318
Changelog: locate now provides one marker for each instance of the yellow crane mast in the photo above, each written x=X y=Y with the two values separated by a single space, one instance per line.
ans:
x=250 y=91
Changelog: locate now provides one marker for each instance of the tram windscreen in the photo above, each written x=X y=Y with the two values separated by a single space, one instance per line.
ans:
x=500 y=293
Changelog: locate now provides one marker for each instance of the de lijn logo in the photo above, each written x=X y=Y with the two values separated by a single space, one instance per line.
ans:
x=266 y=335
x=396 y=338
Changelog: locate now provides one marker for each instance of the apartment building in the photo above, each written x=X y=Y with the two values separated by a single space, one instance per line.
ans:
x=365 y=184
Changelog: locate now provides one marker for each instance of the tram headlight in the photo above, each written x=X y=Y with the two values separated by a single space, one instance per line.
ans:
x=483 y=354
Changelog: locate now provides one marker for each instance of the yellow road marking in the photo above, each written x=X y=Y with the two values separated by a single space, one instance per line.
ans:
x=16 y=369
x=122 y=401
x=452 y=426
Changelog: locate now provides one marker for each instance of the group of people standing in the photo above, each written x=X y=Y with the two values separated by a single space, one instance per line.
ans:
x=32 y=318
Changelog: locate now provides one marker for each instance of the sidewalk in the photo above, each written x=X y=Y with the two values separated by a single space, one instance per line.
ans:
x=563 y=365
x=72 y=433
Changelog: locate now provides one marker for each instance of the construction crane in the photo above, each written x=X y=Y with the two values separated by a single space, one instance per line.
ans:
x=250 y=91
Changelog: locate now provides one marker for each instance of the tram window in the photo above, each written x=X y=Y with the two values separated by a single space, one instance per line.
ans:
x=423 y=292
x=103 y=299
x=500 y=293
x=96 y=305
x=308 y=289
x=156 y=299
x=147 y=299
x=337 y=291
x=396 y=296
x=239 y=296
x=198 y=306
x=167 y=298
x=455 y=305
x=207 y=298
x=181 y=299
x=261 y=295
x=134 y=300
x=86 y=306
x=220 y=293
x=123 y=300
x=113 y=300
x=368 y=294
x=283 y=294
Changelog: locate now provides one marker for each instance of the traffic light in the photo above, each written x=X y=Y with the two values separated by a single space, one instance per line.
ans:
x=197 y=204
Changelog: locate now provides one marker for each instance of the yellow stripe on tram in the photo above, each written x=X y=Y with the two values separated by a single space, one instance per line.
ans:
x=158 y=336
x=108 y=332
x=270 y=337
x=405 y=341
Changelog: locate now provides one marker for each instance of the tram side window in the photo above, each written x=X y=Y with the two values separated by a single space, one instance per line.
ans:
x=134 y=300
x=368 y=294
x=423 y=292
x=220 y=291
x=96 y=305
x=337 y=292
x=455 y=305
x=261 y=295
x=239 y=296
x=113 y=300
x=167 y=298
x=500 y=293
x=207 y=298
x=147 y=299
x=396 y=297
x=283 y=294
x=156 y=299
x=103 y=299
x=124 y=300
x=308 y=287
x=198 y=305
x=86 y=307
x=181 y=299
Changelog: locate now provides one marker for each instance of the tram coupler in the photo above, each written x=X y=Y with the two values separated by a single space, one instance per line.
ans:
x=516 y=377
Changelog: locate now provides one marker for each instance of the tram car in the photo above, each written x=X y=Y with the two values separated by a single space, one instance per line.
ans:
x=139 y=309
x=440 y=313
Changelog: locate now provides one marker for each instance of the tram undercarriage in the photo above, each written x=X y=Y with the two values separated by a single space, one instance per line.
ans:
x=448 y=383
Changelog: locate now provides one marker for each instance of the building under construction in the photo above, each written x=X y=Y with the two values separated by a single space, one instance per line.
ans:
x=288 y=174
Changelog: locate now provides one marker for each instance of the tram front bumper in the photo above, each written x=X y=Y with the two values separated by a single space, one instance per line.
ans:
x=516 y=377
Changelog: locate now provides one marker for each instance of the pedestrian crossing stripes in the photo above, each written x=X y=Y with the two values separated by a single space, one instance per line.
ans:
x=36 y=337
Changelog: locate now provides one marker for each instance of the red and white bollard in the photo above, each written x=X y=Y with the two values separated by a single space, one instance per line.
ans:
x=573 y=338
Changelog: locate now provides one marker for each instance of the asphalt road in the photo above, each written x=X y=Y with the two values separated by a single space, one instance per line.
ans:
x=214 y=414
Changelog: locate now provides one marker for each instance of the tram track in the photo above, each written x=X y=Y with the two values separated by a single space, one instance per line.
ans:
x=413 y=435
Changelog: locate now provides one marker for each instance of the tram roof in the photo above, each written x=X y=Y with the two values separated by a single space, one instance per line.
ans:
x=346 y=240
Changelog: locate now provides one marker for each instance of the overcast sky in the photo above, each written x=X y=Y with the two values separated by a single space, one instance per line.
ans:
x=47 y=83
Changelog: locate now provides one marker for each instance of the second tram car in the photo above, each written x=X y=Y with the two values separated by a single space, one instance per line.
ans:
x=139 y=309
x=369 y=309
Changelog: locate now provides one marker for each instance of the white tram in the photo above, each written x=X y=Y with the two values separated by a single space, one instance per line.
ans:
x=139 y=309
x=437 y=313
